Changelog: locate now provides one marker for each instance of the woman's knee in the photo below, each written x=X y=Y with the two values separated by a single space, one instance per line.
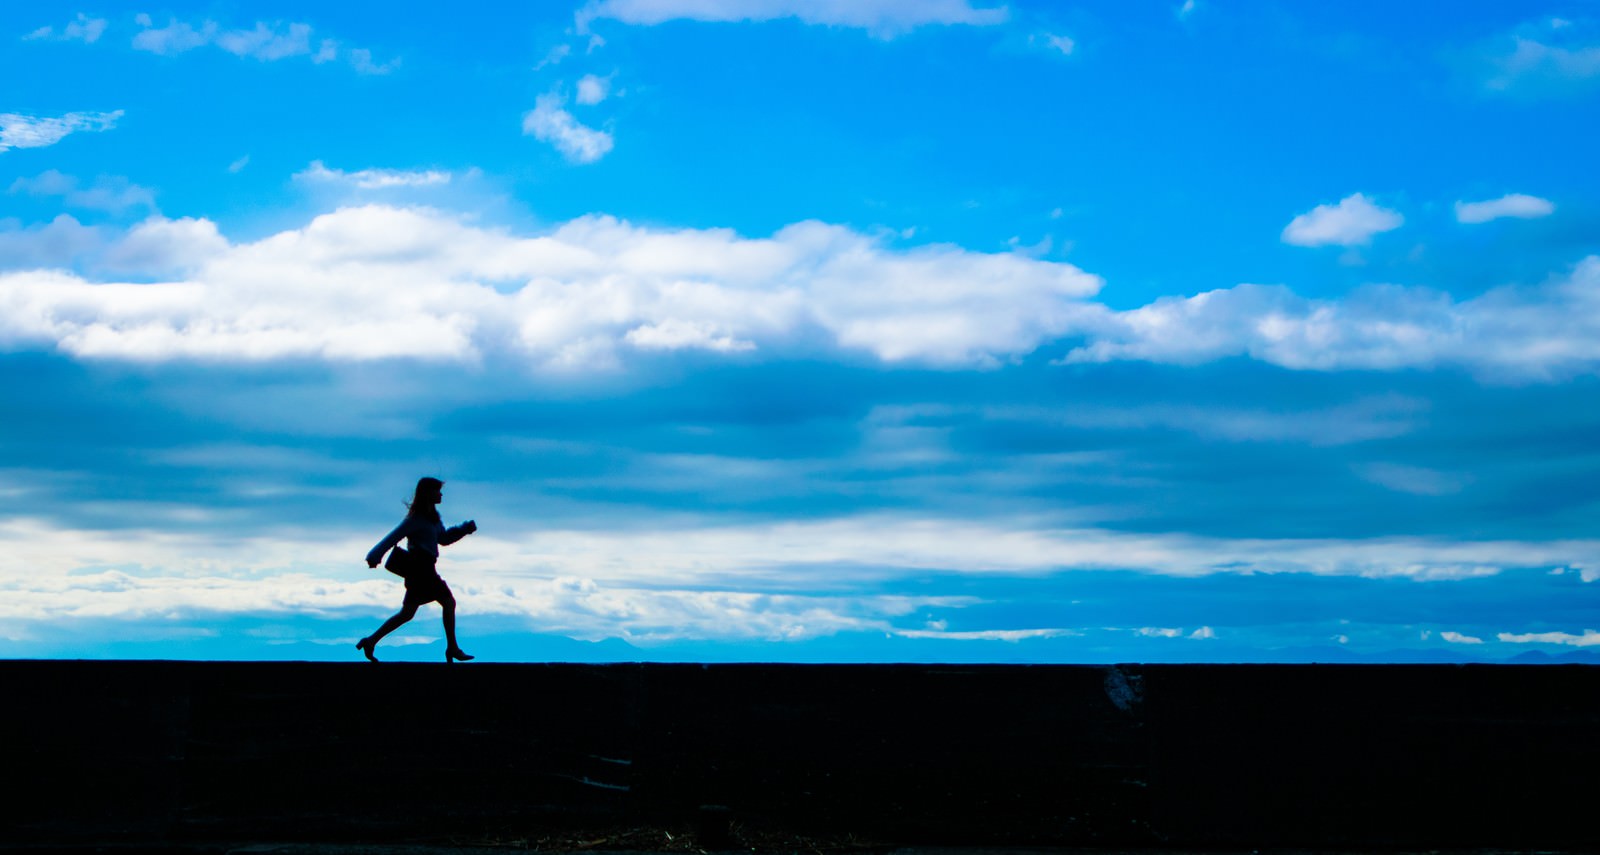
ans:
x=407 y=612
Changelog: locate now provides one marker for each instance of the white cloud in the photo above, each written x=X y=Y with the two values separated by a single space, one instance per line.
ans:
x=708 y=581
x=1589 y=638
x=577 y=608
x=54 y=244
x=1352 y=222
x=361 y=60
x=1064 y=44
x=176 y=37
x=1202 y=633
x=1511 y=205
x=239 y=164
x=1416 y=480
x=674 y=334
x=886 y=546
x=699 y=582
x=881 y=18
x=597 y=292
x=112 y=194
x=372 y=179
x=133 y=574
x=1544 y=56
x=592 y=89
x=19 y=131
x=1010 y=635
x=1511 y=333
x=1378 y=417
x=555 y=56
x=1458 y=638
x=264 y=42
x=380 y=282
x=162 y=246
x=549 y=122
x=85 y=28
x=1187 y=9
x=267 y=43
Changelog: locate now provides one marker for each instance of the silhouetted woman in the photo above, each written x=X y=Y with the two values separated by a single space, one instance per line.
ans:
x=424 y=534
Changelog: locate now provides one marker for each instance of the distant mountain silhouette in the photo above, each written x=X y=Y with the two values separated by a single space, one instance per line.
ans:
x=1539 y=657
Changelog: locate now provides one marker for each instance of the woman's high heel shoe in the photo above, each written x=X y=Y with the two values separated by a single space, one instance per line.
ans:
x=366 y=645
x=456 y=653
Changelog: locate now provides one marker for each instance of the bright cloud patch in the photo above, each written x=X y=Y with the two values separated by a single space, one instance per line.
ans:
x=380 y=282
x=881 y=18
x=267 y=43
x=1352 y=222
x=1511 y=205
x=577 y=608
x=1589 y=638
x=1059 y=43
x=1550 y=56
x=107 y=193
x=264 y=42
x=710 y=582
x=1008 y=635
x=1517 y=333
x=593 y=89
x=371 y=179
x=85 y=29
x=550 y=122
x=19 y=131
x=52 y=244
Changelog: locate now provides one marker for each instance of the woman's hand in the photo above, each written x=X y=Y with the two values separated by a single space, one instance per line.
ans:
x=372 y=562
x=470 y=526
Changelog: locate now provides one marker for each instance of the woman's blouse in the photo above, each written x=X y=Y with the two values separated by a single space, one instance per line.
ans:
x=423 y=538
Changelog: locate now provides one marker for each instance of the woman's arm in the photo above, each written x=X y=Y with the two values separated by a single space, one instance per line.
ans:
x=455 y=533
x=388 y=542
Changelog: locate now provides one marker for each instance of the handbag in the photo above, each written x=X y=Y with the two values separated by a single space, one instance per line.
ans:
x=400 y=562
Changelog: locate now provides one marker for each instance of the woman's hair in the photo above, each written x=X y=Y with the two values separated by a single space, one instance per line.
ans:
x=425 y=507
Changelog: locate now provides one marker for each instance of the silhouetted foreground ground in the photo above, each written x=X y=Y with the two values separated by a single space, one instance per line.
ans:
x=826 y=759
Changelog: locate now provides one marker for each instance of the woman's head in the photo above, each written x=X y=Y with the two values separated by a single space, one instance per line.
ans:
x=430 y=492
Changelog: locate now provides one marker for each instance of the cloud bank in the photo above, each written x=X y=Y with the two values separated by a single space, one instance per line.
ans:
x=880 y=18
x=370 y=179
x=1546 y=332
x=1550 y=56
x=384 y=282
x=84 y=28
x=379 y=282
x=19 y=131
x=111 y=194
x=263 y=42
x=775 y=581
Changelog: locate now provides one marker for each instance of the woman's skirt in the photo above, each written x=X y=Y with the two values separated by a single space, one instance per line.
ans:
x=423 y=584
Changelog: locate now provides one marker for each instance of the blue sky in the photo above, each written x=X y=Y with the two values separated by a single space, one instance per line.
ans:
x=869 y=331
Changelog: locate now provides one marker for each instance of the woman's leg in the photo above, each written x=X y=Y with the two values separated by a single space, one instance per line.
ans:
x=448 y=604
x=452 y=650
x=407 y=612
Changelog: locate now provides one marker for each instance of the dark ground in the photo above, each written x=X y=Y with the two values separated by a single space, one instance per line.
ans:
x=302 y=757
